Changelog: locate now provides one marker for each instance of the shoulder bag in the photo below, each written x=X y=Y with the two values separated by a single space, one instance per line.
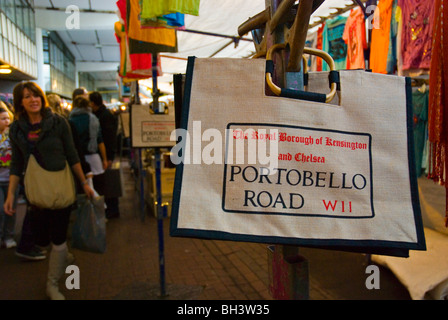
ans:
x=49 y=189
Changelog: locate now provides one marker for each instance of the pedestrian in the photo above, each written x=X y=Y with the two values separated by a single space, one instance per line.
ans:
x=90 y=138
x=81 y=91
x=55 y=103
x=45 y=135
x=6 y=221
x=109 y=127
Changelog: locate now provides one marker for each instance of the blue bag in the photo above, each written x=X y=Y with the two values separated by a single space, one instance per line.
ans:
x=89 y=228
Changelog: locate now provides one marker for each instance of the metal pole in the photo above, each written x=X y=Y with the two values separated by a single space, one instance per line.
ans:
x=155 y=106
x=142 y=185
x=160 y=223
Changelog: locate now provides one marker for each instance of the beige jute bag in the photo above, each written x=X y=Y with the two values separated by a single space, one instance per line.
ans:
x=49 y=189
x=334 y=175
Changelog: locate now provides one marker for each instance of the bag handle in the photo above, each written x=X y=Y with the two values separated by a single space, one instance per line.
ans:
x=300 y=94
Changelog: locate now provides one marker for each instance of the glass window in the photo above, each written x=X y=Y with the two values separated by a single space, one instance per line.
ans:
x=20 y=9
x=6 y=50
x=1 y=47
x=13 y=37
x=9 y=26
x=4 y=28
x=11 y=55
x=10 y=10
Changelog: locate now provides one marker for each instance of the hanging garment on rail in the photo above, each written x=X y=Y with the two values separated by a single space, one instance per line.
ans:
x=319 y=44
x=334 y=44
x=438 y=98
x=289 y=171
x=155 y=8
x=172 y=20
x=133 y=65
x=355 y=38
x=156 y=36
x=311 y=42
x=416 y=37
x=391 y=67
x=420 y=111
x=380 y=36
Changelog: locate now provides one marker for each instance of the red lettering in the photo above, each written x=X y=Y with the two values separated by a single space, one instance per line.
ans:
x=329 y=204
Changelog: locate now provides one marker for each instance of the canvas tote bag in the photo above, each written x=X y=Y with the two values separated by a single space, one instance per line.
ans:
x=49 y=189
x=344 y=177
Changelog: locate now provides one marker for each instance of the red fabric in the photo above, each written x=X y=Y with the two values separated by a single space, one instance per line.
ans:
x=438 y=99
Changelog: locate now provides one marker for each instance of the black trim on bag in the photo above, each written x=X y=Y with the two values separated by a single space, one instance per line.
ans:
x=183 y=125
x=421 y=242
x=333 y=77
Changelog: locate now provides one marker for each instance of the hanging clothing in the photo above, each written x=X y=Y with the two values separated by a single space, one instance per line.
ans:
x=355 y=38
x=392 y=53
x=158 y=36
x=416 y=41
x=134 y=66
x=173 y=20
x=420 y=111
x=380 y=36
x=399 y=21
x=438 y=98
x=311 y=42
x=155 y=8
x=320 y=31
x=333 y=43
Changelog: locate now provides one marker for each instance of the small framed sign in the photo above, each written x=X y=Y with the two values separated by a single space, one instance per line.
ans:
x=151 y=129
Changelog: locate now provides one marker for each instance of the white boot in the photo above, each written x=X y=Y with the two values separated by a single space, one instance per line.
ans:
x=57 y=265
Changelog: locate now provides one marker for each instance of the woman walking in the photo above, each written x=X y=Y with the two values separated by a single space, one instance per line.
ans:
x=46 y=136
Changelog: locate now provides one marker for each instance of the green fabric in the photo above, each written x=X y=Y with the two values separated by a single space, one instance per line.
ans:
x=420 y=110
x=333 y=44
x=157 y=8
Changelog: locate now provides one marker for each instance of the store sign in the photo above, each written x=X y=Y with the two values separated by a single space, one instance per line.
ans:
x=150 y=129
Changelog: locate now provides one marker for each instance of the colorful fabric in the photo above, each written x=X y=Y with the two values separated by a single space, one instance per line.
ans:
x=156 y=8
x=5 y=150
x=172 y=20
x=399 y=21
x=392 y=53
x=134 y=65
x=420 y=111
x=355 y=38
x=319 y=46
x=416 y=41
x=333 y=43
x=311 y=42
x=161 y=36
x=438 y=98
x=380 y=36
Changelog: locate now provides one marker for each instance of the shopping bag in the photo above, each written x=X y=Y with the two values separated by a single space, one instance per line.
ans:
x=112 y=183
x=336 y=175
x=89 y=227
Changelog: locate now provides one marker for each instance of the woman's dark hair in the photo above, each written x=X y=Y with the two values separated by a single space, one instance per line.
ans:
x=78 y=92
x=19 y=110
x=81 y=103
x=96 y=98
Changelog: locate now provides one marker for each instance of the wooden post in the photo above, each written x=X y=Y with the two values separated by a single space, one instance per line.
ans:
x=290 y=279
